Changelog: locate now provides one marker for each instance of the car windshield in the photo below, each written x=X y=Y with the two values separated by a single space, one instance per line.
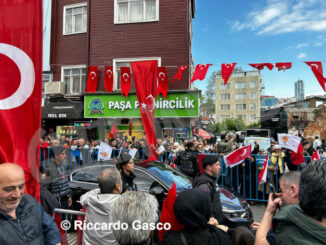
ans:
x=169 y=175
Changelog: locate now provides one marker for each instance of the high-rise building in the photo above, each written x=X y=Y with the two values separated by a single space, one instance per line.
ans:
x=239 y=98
x=299 y=90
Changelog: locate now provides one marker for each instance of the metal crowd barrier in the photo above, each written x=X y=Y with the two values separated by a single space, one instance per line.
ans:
x=244 y=180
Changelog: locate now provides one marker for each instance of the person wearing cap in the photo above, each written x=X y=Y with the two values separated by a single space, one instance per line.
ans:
x=208 y=183
x=187 y=161
x=126 y=167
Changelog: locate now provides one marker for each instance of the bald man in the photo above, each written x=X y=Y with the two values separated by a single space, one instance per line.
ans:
x=22 y=219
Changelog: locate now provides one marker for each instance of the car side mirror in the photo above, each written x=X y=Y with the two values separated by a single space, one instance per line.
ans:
x=156 y=190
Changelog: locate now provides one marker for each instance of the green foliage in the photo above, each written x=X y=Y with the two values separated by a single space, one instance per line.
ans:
x=254 y=125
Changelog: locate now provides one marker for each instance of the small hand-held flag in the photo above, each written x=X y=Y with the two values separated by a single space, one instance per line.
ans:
x=238 y=156
x=92 y=80
x=315 y=156
x=297 y=158
x=288 y=141
x=200 y=72
x=263 y=173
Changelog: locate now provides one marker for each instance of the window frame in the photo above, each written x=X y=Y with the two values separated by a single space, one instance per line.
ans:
x=116 y=21
x=253 y=120
x=255 y=96
x=227 y=109
x=229 y=97
x=242 y=116
x=77 y=5
x=225 y=87
x=121 y=60
x=226 y=117
x=235 y=85
x=81 y=82
x=252 y=103
x=245 y=108
x=240 y=98
x=251 y=82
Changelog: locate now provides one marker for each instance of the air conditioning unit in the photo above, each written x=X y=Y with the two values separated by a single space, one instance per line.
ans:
x=54 y=88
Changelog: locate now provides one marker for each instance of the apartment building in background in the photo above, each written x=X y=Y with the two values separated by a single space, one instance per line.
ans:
x=299 y=90
x=239 y=98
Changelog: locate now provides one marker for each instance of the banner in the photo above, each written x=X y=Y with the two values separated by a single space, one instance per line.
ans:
x=21 y=86
x=264 y=143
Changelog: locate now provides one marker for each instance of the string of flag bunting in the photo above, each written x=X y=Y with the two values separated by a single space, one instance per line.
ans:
x=199 y=74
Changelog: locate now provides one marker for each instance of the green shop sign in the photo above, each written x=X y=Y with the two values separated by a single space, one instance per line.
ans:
x=118 y=106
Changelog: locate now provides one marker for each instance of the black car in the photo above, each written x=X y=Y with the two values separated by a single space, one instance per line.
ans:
x=156 y=178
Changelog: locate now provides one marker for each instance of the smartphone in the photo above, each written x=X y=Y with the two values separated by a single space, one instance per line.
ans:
x=271 y=187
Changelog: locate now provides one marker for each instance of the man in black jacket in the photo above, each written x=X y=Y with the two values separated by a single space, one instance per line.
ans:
x=187 y=161
x=208 y=183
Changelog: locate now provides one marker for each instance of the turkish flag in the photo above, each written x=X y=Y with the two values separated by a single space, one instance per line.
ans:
x=261 y=66
x=21 y=87
x=108 y=79
x=167 y=214
x=283 y=66
x=298 y=158
x=130 y=129
x=200 y=72
x=315 y=156
x=200 y=162
x=263 y=173
x=92 y=80
x=237 y=156
x=145 y=81
x=114 y=131
x=317 y=69
x=163 y=82
x=227 y=70
x=125 y=80
x=178 y=76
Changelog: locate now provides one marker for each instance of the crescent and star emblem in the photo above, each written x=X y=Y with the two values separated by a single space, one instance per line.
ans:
x=125 y=75
x=93 y=75
x=151 y=105
x=314 y=65
x=244 y=153
x=109 y=73
x=161 y=75
x=27 y=74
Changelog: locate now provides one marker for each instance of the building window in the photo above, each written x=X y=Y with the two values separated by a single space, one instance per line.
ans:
x=253 y=117
x=224 y=117
x=227 y=86
x=252 y=106
x=125 y=62
x=252 y=84
x=243 y=117
x=74 y=78
x=239 y=85
x=46 y=77
x=75 y=18
x=253 y=95
x=240 y=107
x=225 y=107
x=133 y=11
x=225 y=96
x=240 y=96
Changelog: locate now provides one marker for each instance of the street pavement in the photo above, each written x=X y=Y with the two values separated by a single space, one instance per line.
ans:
x=258 y=211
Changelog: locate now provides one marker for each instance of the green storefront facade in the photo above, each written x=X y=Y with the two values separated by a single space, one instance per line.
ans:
x=173 y=115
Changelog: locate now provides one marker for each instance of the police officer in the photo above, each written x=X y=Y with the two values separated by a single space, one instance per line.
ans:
x=187 y=161
x=126 y=167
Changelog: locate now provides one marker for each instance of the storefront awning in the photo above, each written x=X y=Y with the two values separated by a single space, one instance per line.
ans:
x=63 y=110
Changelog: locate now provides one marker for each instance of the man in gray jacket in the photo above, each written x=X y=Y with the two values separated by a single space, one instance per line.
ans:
x=98 y=204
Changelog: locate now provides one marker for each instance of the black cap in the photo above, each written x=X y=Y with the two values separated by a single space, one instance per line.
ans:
x=209 y=160
x=189 y=144
x=124 y=159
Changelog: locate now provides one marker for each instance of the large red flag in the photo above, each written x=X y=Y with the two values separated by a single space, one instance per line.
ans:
x=125 y=80
x=21 y=86
x=178 y=75
x=163 y=82
x=282 y=66
x=200 y=72
x=144 y=73
x=261 y=66
x=238 y=156
x=227 y=70
x=92 y=80
x=108 y=79
x=317 y=69
x=298 y=158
